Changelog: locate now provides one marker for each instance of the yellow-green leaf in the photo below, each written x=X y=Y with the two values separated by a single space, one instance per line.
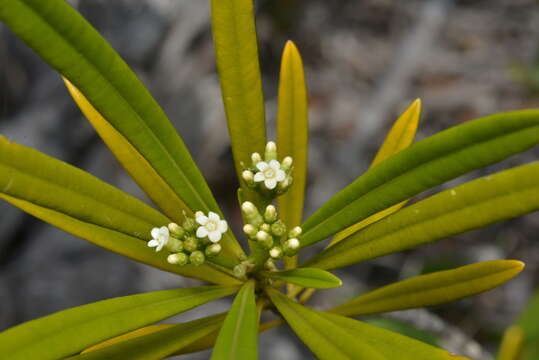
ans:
x=292 y=136
x=133 y=162
x=399 y=138
x=158 y=344
x=478 y=203
x=236 y=51
x=512 y=343
x=70 y=331
x=327 y=340
x=433 y=289
x=307 y=277
x=238 y=336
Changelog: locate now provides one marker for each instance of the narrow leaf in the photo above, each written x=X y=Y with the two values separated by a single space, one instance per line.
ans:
x=292 y=136
x=399 y=138
x=68 y=332
x=307 y=277
x=159 y=344
x=68 y=43
x=236 y=51
x=425 y=164
x=238 y=337
x=512 y=344
x=478 y=203
x=433 y=289
x=326 y=340
x=120 y=243
x=390 y=344
x=132 y=161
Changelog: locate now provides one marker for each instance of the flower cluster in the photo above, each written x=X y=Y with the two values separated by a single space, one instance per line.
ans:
x=269 y=231
x=191 y=242
x=268 y=174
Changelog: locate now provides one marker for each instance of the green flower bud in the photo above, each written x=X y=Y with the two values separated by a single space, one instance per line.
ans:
x=213 y=250
x=174 y=245
x=189 y=224
x=271 y=151
x=291 y=247
x=250 y=231
x=276 y=252
x=176 y=230
x=191 y=244
x=197 y=258
x=270 y=265
x=278 y=228
x=295 y=232
x=286 y=164
x=270 y=215
x=248 y=177
x=256 y=158
x=180 y=259
x=262 y=236
x=240 y=270
x=265 y=227
x=251 y=214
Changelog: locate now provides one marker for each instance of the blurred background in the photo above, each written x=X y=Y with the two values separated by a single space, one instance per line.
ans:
x=366 y=60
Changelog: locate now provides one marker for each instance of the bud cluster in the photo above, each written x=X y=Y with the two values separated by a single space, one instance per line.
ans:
x=268 y=231
x=193 y=241
x=268 y=174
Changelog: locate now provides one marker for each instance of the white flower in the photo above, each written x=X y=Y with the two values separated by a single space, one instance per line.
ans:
x=270 y=173
x=160 y=238
x=212 y=226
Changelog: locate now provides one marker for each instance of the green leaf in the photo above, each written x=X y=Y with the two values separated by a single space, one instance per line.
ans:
x=332 y=336
x=67 y=42
x=404 y=328
x=478 y=203
x=120 y=243
x=390 y=344
x=133 y=162
x=85 y=206
x=528 y=322
x=68 y=332
x=238 y=336
x=236 y=51
x=326 y=340
x=157 y=345
x=307 y=277
x=292 y=136
x=512 y=344
x=399 y=138
x=433 y=289
x=425 y=164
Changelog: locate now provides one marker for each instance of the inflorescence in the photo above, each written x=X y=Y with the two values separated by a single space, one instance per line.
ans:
x=198 y=238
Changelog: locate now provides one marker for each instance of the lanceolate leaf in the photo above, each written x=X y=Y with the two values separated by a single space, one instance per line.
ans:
x=399 y=138
x=236 y=51
x=157 y=345
x=120 y=243
x=433 y=289
x=68 y=332
x=292 y=135
x=65 y=40
x=326 y=340
x=512 y=344
x=425 y=164
x=238 y=337
x=29 y=175
x=505 y=195
x=390 y=344
x=131 y=159
x=307 y=277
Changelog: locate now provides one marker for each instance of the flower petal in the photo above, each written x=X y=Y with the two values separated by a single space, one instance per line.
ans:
x=155 y=233
x=152 y=243
x=223 y=226
x=202 y=232
x=214 y=236
x=213 y=216
x=163 y=231
x=202 y=220
x=274 y=164
x=280 y=175
x=270 y=183
x=159 y=247
x=259 y=176
x=262 y=165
